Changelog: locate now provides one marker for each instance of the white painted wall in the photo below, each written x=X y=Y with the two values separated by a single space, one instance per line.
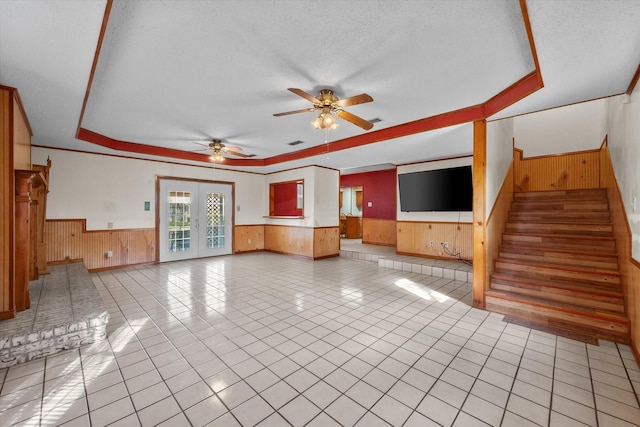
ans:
x=433 y=216
x=562 y=130
x=112 y=189
x=499 y=157
x=326 y=199
x=320 y=196
x=624 y=146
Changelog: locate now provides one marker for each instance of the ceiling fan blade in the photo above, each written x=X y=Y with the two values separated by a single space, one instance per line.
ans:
x=305 y=95
x=306 y=110
x=200 y=143
x=235 y=153
x=352 y=118
x=354 y=100
x=232 y=148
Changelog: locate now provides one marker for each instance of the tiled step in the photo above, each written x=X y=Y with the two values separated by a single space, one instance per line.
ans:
x=596 y=297
x=599 y=323
x=603 y=244
x=582 y=229
x=555 y=272
x=578 y=258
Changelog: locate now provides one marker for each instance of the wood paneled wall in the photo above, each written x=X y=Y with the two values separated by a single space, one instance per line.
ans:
x=629 y=268
x=69 y=239
x=7 y=191
x=376 y=231
x=569 y=171
x=414 y=237
x=248 y=238
x=312 y=243
x=496 y=223
x=326 y=242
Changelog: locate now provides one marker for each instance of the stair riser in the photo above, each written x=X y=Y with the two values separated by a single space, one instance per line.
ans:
x=562 y=194
x=544 y=217
x=555 y=273
x=561 y=259
x=600 y=328
x=558 y=206
x=577 y=229
x=563 y=295
x=559 y=243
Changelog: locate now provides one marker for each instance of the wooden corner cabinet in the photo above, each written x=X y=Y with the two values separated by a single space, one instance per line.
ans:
x=23 y=191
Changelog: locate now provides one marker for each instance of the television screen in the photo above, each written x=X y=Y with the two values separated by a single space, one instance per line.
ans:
x=436 y=190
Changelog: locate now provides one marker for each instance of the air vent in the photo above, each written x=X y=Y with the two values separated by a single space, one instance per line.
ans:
x=296 y=142
x=376 y=120
x=251 y=155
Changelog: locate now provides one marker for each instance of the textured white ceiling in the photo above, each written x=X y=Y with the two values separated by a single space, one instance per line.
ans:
x=174 y=72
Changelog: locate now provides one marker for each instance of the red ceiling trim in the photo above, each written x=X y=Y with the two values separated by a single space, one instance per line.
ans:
x=634 y=81
x=517 y=91
x=153 y=150
x=103 y=30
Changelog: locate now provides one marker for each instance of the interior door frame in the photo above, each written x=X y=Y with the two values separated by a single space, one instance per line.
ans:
x=196 y=180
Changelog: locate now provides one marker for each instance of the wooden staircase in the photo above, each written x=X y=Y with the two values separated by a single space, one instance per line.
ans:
x=557 y=266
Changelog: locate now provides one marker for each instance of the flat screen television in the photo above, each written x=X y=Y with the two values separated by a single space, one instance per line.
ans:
x=440 y=190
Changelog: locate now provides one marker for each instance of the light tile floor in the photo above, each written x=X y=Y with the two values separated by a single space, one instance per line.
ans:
x=269 y=340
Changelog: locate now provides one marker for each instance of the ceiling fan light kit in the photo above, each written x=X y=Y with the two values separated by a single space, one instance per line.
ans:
x=328 y=104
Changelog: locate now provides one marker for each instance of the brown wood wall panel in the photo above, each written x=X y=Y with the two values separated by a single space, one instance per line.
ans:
x=497 y=221
x=326 y=242
x=629 y=270
x=248 y=238
x=69 y=240
x=6 y=202
x=569 y=171
x=289 y=240
x=377 y=231
x=414 y=238
x=21 y=139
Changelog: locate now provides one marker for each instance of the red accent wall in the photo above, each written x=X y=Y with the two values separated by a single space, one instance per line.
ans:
x=285 y=197
x=379 y=188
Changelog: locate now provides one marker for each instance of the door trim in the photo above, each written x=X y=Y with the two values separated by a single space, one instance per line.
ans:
x=205 y=181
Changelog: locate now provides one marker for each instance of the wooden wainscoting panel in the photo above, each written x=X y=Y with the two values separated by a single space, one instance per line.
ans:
x=496 y=222
x=414 y=238
x=377 y=231
x=289 y=240
x=68 y=240
x=7 y=191
x=629 y=268
x=326 y=242
x=570 y=171
x=248 y=238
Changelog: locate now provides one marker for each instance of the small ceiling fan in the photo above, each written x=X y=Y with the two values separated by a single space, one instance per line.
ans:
x=328 y=103
x=217 y=147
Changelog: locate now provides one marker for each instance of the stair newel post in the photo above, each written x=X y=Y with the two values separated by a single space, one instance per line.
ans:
x=479 y=212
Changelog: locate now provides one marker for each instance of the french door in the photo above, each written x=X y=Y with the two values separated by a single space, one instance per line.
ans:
x=195 y=219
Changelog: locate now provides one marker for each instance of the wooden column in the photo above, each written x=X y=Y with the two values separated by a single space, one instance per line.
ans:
x=22 y=238
x=479 y=212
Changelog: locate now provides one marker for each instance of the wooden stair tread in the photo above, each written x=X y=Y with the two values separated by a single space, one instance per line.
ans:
x=543 y=265
x=577 y=253
x=577 y=287
x=556 y=330
x=560 y=306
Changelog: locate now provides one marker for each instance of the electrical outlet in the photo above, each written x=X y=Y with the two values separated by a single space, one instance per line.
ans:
x=431 y=243
x=109 y=254
x=445 y=245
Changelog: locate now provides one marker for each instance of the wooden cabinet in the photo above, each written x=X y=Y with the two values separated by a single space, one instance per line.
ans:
x=353 y=225
x=15 y=154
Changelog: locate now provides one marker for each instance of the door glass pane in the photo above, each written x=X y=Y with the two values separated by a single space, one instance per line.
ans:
x=179 y=221
x=215 y=220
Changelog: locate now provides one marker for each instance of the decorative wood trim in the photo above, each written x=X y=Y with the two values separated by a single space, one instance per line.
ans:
x=94 y=65
x=479 y=209
x=16 y=96
x=6 y=315
x=532 y=44
x=434 y=222
x=441 y=159
x=551 y=156
x=634 y=81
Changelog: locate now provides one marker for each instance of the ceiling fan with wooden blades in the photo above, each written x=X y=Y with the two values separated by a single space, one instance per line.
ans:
x=217 y=148
x=328 y=103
